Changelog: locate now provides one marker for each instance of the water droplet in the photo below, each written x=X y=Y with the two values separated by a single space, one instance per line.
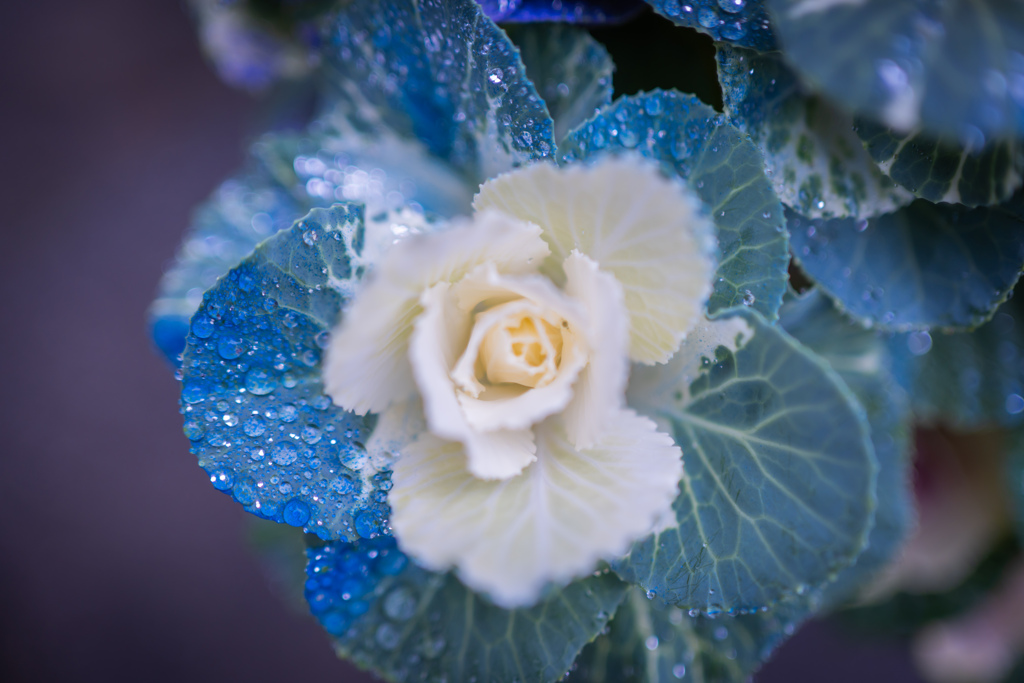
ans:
x=296 y=512
x=254 y=426
x=366 y=526
x=400 y=604
x=230 y=346
x=748 y=298
x=495 y=76
x=284 y=454
x=707 y=18
x=679 y=670
x=259 y=382
x=230 y=420
x=223 y=479
x=1014 y=404
x=721 y=633
x=202 y=327
x=651 y=643
x=861 y=225
x=388 y=636
x=194 y=430
x=311 y=434
x=733 y=30
x=919 y=343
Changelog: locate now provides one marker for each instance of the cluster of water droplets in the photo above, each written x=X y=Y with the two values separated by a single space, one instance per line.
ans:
x=345 y=580
x=240 y=214
x=456 y=84
x=741 y=22
x=252 y=399
x=662 y=125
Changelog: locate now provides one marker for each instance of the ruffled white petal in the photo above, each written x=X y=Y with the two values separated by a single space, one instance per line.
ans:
x=600 y=389
x=646 y=230
x=550 y=524
x=440 y=332
x=367 y=366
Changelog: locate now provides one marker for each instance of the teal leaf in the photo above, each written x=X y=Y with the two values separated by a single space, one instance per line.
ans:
x=571 y=71
x=286 y=175
x=861 y=359
x=241 y=213
x=386 y=614
x=736 y=22
x=252 y=398
x=650 y=642
x=816 y=163
x=927 y=265
x=441 y=72
x=967 y=381
x=945 y=170
x=954 y=68
x=778 y=492
x=726 y=171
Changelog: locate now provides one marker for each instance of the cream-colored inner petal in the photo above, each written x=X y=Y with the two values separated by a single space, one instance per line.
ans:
x=367 y=363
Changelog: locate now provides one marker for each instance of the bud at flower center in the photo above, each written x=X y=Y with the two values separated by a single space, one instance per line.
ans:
x=523 y=348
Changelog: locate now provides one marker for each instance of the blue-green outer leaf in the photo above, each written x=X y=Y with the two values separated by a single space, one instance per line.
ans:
x=737 y=22
x=816 y=163
x=441 y=72
x=651 y=642
x=405 y=623
x=571 y=71
x=954 y=67
x=252 y=397
x=967 y=381
x=927 y=265
x=942 y=170
x=726 y=171
x=861 y=359
x=779 y=487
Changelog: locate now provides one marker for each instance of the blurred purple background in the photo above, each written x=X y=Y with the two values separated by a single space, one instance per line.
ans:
x=118 y=560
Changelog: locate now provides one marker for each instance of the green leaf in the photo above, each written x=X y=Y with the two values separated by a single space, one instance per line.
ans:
x=441 y=72
x=252 y=397
x=816 y=163
x=861 y=359
x=944 y=170
x=737 y=22
x=954 y=68
x=650 y=642
x=286 y=175
x=927 y=265
x=779 y=487
x=966 y=381
x=571 y=70
x=417 y=625
x=241 y=213
x=726 y=171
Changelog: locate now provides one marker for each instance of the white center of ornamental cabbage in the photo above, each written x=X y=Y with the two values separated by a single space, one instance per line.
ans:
x=522 y=347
